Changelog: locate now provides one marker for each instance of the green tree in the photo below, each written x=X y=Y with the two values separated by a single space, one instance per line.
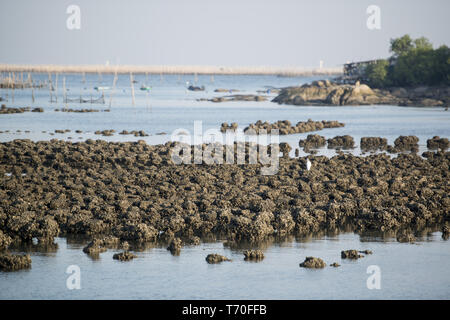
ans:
x=423 y=43
x=401 y=46
x=376 y=73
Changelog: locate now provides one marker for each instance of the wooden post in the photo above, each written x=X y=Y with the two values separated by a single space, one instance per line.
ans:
x=133 y=102
x=32 y=88
x=113 y=88
x=64 y=92
x=13 y=85
x=56 y=88
x=50 y=87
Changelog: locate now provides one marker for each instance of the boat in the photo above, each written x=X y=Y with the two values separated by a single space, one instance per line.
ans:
x=145 y=88
x=101 y=88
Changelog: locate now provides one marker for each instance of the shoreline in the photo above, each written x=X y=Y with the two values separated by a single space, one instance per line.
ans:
x=166 y=69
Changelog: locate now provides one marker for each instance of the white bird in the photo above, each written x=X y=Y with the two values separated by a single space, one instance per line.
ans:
x=308 y=164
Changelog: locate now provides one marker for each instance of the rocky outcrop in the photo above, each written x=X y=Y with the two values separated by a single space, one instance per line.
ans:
x=215 y=258
x=320 y=93
x=335 y=264
x=406 y=237
x=175 y=246
x=5 y=110
x=255 y=255
x=236 y=97
x=438 y=143
x=405 y=143
x=285 y=127
x=351 y=254
x=341 y=142
x=373 y=143
x=313 y=263
x=133 y=191
x=228 y=127
x=124 y=256
x=313 y=141
x=14 y=262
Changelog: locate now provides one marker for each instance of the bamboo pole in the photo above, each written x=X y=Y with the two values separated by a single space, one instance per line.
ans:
x=64 y=92
x=56 y=88
x=50 y=87
x=133 y=102
x=32 y=88
x=113 y=89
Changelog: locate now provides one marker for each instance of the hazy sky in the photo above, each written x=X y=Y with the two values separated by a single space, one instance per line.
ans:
x=211 y=32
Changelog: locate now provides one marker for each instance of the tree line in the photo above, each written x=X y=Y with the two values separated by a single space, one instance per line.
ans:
x=413 y=62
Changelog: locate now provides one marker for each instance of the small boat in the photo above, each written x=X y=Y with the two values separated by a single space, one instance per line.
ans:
x=101 y=88
x=145 y=88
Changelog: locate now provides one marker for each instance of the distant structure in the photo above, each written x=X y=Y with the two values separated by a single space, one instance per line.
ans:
x=355 y=71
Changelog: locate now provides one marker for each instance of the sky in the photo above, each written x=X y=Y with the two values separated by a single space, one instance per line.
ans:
x=278 y=33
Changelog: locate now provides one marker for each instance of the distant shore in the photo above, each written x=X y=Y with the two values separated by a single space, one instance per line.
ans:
x=166 y=69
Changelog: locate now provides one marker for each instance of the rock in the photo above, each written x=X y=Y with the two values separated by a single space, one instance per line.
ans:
x=366 y=252
x=350 y=254
x=253 y=255
x=285 y=127
x=95 y=247
x=285 y=148
x=318 y=93
x=175 y=246
x=225 y=127
x=14 y=262
x=226 y=90
x=345 y=142
x=215 y=258
x=406 y=237
x=405 y=143
x=445 y=232
x=133 y=191
x=313 y=263
x=5 y=240
x=438 y=143
x=194 y=88
x=124 y=256
x=373 y=143
x=335 y=264
x=238 y=97
x=313 y=141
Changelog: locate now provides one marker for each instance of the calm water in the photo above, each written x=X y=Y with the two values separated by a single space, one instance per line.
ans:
x=170 y=106
x=408 y=271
